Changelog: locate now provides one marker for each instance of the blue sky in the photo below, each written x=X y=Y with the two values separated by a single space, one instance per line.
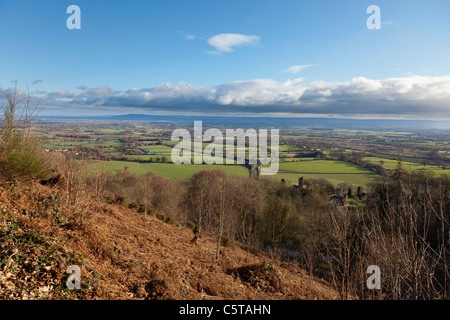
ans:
x=223 y=56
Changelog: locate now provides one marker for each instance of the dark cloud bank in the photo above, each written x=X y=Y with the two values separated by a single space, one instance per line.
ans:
x=414 y=97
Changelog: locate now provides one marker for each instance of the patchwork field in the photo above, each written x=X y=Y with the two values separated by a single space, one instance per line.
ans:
x=170 y=170
x=303 y=152
x=331 y=170
x=391 y=164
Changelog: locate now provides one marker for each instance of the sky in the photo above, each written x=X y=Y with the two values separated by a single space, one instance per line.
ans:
x=213 y=57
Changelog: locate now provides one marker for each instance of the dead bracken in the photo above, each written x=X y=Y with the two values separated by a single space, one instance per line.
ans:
x=124 y=254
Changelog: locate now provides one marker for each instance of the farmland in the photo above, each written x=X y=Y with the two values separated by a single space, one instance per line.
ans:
x=357 y=157
x=333 y=171
x=391 y=164
x=170 y=170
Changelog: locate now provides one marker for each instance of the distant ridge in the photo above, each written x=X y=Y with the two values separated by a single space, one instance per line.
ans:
x=317 y=123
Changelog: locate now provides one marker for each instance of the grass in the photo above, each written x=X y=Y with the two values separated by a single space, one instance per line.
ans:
x=322 y=166
x=170 y=170
x=355 y=179
x=67 y=143
x=391 y=164
x=160 y=149
x=169 y=157
x=334 y=171
x=287 y=147
x=296 y=159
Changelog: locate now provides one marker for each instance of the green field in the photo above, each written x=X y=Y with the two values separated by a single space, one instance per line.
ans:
x=122 y=141
x=295 y=159
x=170 y=170
x=391 y=164
x=286 y=147
x=69 y=143
x=333 y=171
x=160 y=149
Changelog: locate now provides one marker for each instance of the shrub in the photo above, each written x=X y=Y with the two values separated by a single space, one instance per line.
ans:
x=150 y=209
x=21 y=156
x=156 y=289
x=191 y=225
x=133 y=206
x=161 y=216
x=21 y=160
x=171 y=221
x=227 y=242
x=120 y=200
x=263 y=276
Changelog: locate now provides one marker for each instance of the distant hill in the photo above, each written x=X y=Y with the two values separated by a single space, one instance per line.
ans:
x=255 y=122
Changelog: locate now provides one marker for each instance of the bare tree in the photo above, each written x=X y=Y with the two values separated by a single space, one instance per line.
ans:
x=220 y=204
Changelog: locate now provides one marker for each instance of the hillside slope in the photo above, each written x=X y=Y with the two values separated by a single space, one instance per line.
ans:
x=126 y=255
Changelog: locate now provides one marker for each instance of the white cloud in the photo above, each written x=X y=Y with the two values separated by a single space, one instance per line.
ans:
x=414 y=96
x=190 y=37
x=225 y=42
x=389 y=23
x=214 y=53
x=290 y=82
x=296 y=69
